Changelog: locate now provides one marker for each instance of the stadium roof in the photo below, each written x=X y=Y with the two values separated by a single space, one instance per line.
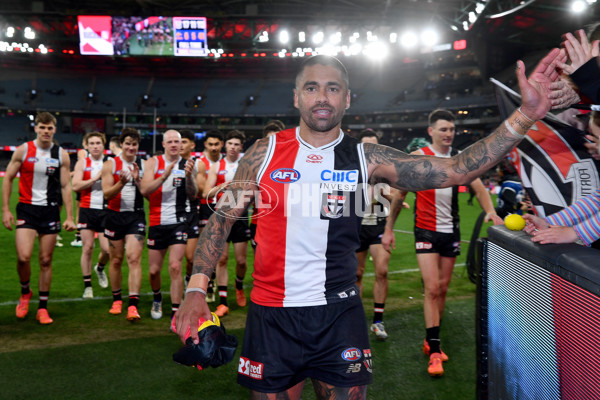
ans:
x=502 y=29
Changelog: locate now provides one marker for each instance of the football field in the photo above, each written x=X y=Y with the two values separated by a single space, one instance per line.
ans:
x=88 y=353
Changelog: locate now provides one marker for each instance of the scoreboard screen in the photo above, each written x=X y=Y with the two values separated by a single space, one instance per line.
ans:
x=143 y=36
x=190 y=36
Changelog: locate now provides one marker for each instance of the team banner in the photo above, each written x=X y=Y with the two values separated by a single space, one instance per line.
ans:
x=554 y=166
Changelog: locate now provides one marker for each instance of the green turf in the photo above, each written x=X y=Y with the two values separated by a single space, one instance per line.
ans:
x=90 y=354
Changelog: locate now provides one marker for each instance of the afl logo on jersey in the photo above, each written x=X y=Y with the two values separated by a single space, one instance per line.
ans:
x=285 y=175
x=32 y=160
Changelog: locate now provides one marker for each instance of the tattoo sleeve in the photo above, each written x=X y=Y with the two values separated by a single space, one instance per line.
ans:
x=235 y=201
x=420 y=172
x=191 y=189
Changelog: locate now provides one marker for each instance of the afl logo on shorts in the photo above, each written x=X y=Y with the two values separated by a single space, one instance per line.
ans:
x=285 y=175
x=351 y=354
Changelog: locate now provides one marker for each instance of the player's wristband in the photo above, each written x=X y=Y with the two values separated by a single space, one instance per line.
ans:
x=512 y=131
x=198 y=280
x=195 y=289
x=523 y=114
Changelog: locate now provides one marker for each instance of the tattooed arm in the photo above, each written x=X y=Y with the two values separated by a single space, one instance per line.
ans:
x=412 y=173
x=212 y=240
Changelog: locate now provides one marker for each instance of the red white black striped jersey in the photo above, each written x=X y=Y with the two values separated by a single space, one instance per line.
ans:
x=437 y=209
x=313 y=200
x=130 y=198
x=92 y=197
x=39 y=182
x=169 y=203
x=225 y=173
x=207 y=164
x=226 y=170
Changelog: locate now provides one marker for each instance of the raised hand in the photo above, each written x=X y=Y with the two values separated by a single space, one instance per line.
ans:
x=535 y=90
x=579 y=51
x=562 y=95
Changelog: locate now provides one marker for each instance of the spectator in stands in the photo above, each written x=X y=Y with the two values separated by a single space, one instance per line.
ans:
x=170 y=185
x=219 y=177
x=125 y=224
x=44 y=169
x=437 y=233
x=92 y=210
x=583 y=68
x=304 y=319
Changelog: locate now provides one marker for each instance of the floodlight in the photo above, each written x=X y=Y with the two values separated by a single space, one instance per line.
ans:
x=409 y=40
x=429 y=37
x=317 y=37
x=284 y=36
x=578 y=6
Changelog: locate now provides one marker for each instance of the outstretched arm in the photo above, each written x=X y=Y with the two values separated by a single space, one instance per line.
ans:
x=213 y=237
x=412 y=173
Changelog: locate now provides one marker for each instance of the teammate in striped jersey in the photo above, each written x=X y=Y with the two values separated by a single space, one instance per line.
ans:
x=92 y=209
x=305 y=318
x=44 y=170
x=125 y=223
x=169 y=184
x=437 y=233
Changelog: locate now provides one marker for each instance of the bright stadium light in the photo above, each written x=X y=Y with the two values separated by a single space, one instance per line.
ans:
x=284 y=36
x=29 y=33
x=10 y=31
x=318 y=37
x=429 y=37
x=393 y=37
x=301 y=37
x=376 y=50
x=335 y=38
x=264 y=37
x=578 y=6
x=409 y=40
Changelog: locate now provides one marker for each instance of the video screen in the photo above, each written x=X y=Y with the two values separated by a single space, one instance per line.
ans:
x=143 y=36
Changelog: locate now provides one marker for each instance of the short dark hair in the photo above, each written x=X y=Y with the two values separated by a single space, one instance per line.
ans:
x=328 y=61
x=130 y=132
x=45 y=117
x=442 y=114
x=215 y=134
x=116 y=140
x=367 y=133
x=235 y=134
x=273 y=125
x=187 y=134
